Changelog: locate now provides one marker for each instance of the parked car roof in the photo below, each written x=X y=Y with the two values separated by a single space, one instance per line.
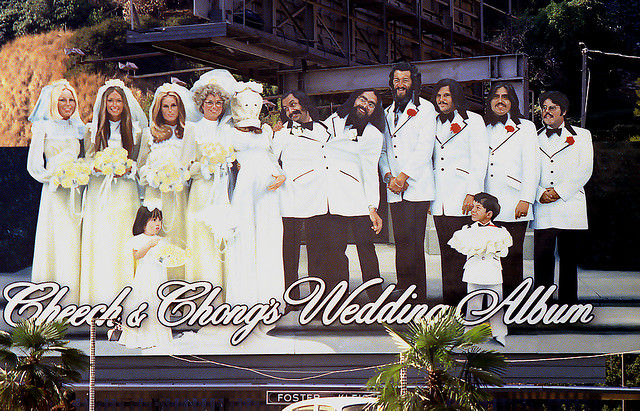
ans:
x=334 y=404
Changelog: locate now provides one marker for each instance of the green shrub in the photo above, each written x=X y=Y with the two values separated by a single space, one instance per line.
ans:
x=19 y=17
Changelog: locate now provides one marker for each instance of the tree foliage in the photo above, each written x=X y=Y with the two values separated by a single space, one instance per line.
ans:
x=549 y=32
x=452 y=368
x=37 y=365
x=19 y=17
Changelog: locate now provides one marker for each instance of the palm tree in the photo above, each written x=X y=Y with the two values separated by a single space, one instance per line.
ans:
x=447 y=359
x=32 y=378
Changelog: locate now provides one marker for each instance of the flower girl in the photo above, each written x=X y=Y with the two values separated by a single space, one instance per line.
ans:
x=150 y=273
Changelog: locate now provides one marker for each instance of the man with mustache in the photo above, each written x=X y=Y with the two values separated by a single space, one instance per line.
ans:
x=350 y=166
x=407 y=170
x=298 y=146
x=512 y=174
x=460 y=164
x=560 y=211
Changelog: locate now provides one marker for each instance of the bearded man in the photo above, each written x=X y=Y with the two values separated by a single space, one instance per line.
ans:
x=349 y=163
x=407 y=169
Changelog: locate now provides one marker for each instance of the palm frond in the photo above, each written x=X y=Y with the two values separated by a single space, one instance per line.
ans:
x=478 y=334
x=34 y=378
x=437 y=348
x=399 y=338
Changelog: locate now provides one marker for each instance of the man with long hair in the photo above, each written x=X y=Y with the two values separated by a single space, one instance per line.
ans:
x=512 y=174
x=460 y=164
x=350 y=163
x=407 y=169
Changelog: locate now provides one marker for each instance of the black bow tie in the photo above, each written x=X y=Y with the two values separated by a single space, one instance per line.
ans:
x=308 y=125
x=444 y=117
x=498 y=119
x=552 y=131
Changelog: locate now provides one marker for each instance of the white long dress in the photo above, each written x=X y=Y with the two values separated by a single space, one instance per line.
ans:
x=56 y=254
x=110 y=209
x=256 y=273
x=208 y=256
x=150 y=274
x=174 y=204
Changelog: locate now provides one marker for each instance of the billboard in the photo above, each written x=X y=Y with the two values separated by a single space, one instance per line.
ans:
x=186 y=297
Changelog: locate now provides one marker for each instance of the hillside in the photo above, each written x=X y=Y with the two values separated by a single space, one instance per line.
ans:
x=26 y=65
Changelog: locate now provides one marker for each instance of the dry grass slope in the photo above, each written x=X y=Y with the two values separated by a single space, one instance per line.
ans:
x=29 y=63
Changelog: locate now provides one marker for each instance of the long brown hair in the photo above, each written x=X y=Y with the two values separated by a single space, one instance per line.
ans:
x=159 y=130
x=104 y=129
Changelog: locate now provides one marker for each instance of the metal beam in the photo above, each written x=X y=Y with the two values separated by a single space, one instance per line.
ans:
x=189 y=32
x=340 y=80
x=509 y=67
x=254 y=50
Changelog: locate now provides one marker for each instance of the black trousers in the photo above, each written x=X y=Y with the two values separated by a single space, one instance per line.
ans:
x=291 y=241
x=451 y=261
x=326 y=247
x=512 y=264
x=364 y=238
x=409 y=226
x=544 y=245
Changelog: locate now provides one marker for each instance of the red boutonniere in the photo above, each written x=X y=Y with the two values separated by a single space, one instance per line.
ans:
x=411 y=112
x=570 y=140
x=455 y=127
x=509 y=129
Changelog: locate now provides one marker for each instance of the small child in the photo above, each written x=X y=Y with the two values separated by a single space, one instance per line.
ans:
x=484 y=243
x=149 y=275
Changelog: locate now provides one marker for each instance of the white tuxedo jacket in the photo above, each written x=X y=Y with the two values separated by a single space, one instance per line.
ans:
x=408 y=148
x=513 y=172
x=460 y=162
x=300 y=150
x=566 y=164
x=328 y=169
x=351 y=168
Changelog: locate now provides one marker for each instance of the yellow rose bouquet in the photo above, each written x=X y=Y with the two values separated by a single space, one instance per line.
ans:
x=164 y=172
x=214 y=156
x=170 y=255
x=113 y=162
x=71 y=174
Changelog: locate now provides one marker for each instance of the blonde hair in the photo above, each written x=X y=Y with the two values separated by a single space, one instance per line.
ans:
x=55 y=94
x=160 y=131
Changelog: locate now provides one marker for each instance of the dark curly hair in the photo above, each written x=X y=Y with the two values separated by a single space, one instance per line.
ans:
x=558 y=98
x=376 y=118
x=305 y=102
x=416 y=78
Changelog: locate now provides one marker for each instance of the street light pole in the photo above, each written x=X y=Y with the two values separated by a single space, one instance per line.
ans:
x=92 y=365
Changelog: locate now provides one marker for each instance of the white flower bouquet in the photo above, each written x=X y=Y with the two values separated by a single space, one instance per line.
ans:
x=113 y=162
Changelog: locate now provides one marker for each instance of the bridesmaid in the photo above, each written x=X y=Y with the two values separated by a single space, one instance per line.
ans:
x=170 y=117
x=208 y=194
x=112 y=199
x=257 y=271
x=57 y=131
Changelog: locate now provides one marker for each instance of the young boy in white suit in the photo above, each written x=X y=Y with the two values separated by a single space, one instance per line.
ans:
x=484 y=244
